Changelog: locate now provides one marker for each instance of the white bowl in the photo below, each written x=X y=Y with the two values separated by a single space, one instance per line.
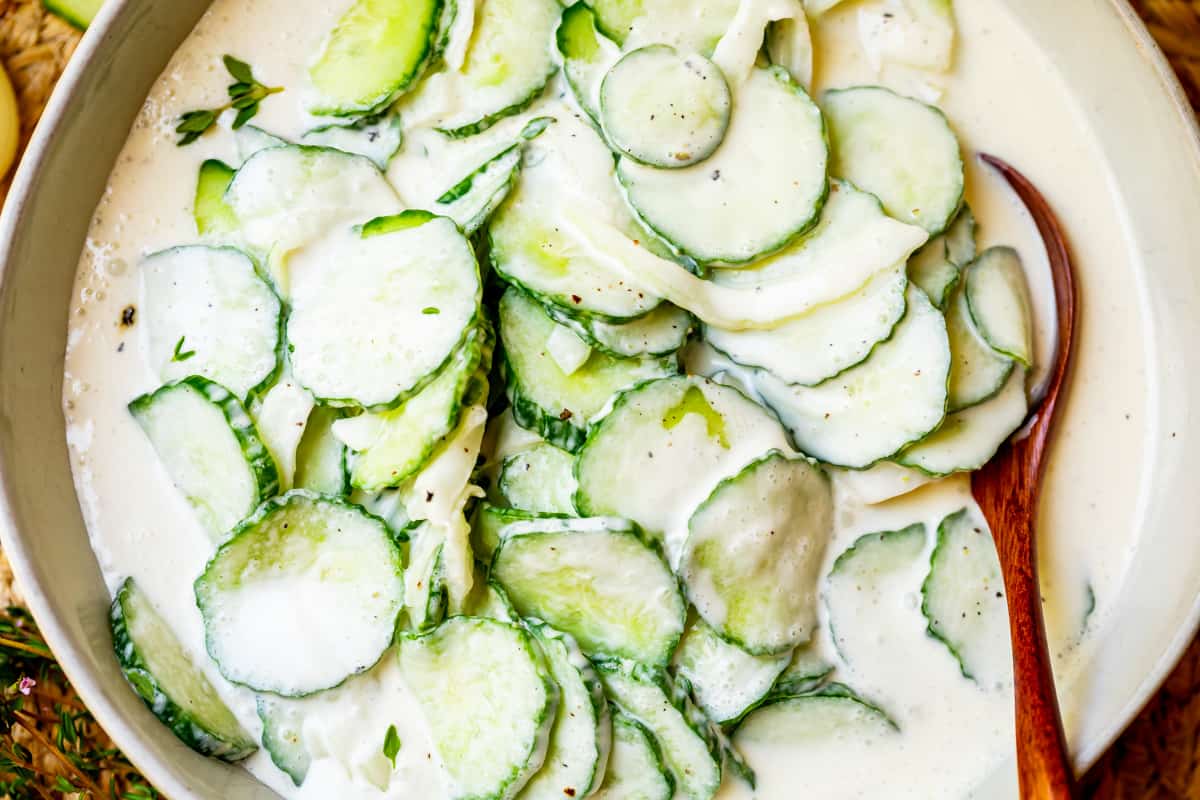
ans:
x=1125 y=92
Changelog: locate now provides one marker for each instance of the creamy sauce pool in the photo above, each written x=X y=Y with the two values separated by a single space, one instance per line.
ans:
x=1003 y=97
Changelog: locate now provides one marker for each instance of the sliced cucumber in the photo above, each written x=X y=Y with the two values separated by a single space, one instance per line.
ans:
x=998 y=299
x=960 y=237
x=827 y=340
x=321 y=457
x=789 y=45
x=917 y=33
x=206 y=312
x=754 y=550
x=283 y=735
x=676 y=438
x=509 y=61
x=210 y=449
x=544 y=399
x=280 y=416
x=489 y=526
x=540 y=479
x=163 y=675
x=936 y=266
x=777 y=198
x=969 y=438
x=963 y=599
x=726 y=680
x=567 y=349
x=376 y=138
x=587 y=55
x=79 y=13
x=596 y=579
x=305 y=593
x=371 y=323
x=378 y=49
x=425 y=592
x=488 y=700
x=661 y=332
x=665 y=109
x=898 y=149
x=213 y=215
x=977 y=372
x=581 y=739
x=489 y=600
x=833 y=713
x=804 y=673
x=874 y=410
x=686 y=25
x=687 y=747
x=635 y=768
x=250 y=139
x=880 y=483
x=392 y=446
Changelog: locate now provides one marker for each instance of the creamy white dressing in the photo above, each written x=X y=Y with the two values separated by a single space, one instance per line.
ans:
x=1003 y=96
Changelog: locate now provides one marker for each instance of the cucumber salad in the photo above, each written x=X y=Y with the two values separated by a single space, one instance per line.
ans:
x=562 y=400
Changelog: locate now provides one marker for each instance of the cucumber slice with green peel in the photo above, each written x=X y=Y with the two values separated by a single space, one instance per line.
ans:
x=490 y=522
x=665 y=109
x=489 y=600
x=205 y=311
x=871 y=412
x=209 y=447
x=963 y=600
x=806 y=671
x=916 y=33
x=969 y=438
x=683 y=24
x=726 y=680
x=581 y=739
x=540 y=479
x=392 y=446
x=425 y=590
x=377 y=50
x=827 y=340
x=558 y=406
x=977 y=371
x=635 y=767
x=371 y=323
x=587 y=55
x=250 y=139
x=567 y=167
x=789 y=45
x=280 y=416
x=567 y=349
x=880 y=483
x=488 y=699
x=79 y=13
x=321 y=457
x=213 y=215
x=596 y=579
x=688 y=748
x=376 y=138
x=677 y=438
x=304 y=593
x=834 y=713
x=751 y=560
x=660 y=333
x=998 y=299
x=778 y=198
x=931 y=269
x=898 y=149
x=163 y=675
x=960 y=237
x=283 y=735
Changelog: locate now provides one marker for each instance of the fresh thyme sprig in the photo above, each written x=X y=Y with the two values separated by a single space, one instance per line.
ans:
x=244 y=95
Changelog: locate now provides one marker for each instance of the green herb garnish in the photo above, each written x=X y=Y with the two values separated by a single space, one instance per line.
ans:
x=391 y=745
x=431 y=310
x=180 y=354
x=244 y=96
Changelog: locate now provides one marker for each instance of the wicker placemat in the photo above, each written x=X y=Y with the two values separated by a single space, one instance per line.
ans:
x=1158 y=757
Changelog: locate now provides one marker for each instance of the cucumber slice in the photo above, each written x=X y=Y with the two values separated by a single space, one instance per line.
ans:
x=280 y=416
x=726 y=680
x=376 y=138
x=377 y=50
x=778 y=198
x=540 y=479
x=789 y=45
x=686 y=25
x=305 y=593
x=321 y=457
x=560 y=407
x=916 y=33
x=213 y=215
x=392 y=446
x=79 y=13
x=660 y=333
x=596 y=579
x=754 y=550
x=490 y=523
x=960 y=237
x=250 y=139
x=874 y=410
x=687 y=747
x=804 y=673
x=568 y=167
x=963 y=599
x=665 y=109
x=206 y=312
x=587 y=55
x=880 y=483
x=581 y=739
x=836 y=713
x=371 y=324
x=826 y=341
x=507 y=66
x=567 y=350
x=163 y=675
x=425 y=590
x=210 y=449
x=898 y=149
x=676 y=438
x=488 y=700
x=998 y=299
x=283 y=735
x=635 y=767
x=489 y=600
x=969 y=438
x=936 y=266
x=977 y=372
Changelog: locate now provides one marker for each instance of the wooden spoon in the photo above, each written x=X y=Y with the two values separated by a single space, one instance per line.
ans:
x=1007 y=491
